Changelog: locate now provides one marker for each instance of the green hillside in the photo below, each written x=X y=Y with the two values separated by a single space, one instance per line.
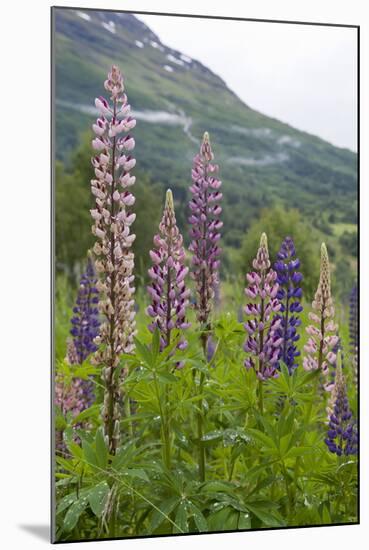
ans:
x=263 y=162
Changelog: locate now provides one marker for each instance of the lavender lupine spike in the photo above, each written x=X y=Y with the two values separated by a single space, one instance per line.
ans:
x=112 y=227
x=168 y=291
x=205 y=235
x=323 y=331
x=342 y=438
x=85 y=321
x=289 y=294
x=263 y=342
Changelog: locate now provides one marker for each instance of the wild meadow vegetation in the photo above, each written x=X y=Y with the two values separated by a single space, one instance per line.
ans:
x=198 y=387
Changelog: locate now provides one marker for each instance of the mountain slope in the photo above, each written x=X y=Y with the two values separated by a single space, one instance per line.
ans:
x=175 y=99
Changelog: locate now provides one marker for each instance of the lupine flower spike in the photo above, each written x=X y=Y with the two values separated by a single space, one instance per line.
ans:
x=205 y=235
x=263 y=343
x=354 y=332
x=168 y=291
x=342 y=436
x=289 y=294
x=85 y=321
x=112 y=227
x=322 y=331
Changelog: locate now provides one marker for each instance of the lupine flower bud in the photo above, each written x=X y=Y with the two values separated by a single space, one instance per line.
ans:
x=205 y=226
x=342 y=435
x=115 y=257
x=289 y=295
x=263 y=344
x=322 y=332
x=167 y=290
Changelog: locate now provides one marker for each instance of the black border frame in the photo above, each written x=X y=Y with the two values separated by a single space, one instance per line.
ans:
x=53 y=10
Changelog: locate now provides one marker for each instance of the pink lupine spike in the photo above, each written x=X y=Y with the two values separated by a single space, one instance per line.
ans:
x=114 y=257
x=167 y=290
x=319 y=348
x=263 y=341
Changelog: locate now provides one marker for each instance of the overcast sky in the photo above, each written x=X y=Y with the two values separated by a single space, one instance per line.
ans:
x=304 y=75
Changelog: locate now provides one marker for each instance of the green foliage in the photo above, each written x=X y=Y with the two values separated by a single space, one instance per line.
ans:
x=269 y=470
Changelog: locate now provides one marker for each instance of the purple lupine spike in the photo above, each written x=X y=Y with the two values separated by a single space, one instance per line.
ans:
x=289 y=294
x=323 y=331
x=263 y=342
x=167 y=290
x=205 y=229
x=85 y=320
x=342 y=437
x=354 y=331
x=112 y=227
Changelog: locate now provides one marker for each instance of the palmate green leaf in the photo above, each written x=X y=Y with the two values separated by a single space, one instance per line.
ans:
x=218 y=487
x=155 y=348
x=101 y=450
x=198 y=518
x=166 y=508
x=65 y=502
x=244 y=521
x=75 y=449
x=143 y=353
x=97 y=498
x=299 y=451
x=225 y=519
x=262 y=510
x=167 y=377
x=74 y=513
x=181 y=519
x=261 y=437
x=138 y=473
x=66 y=464
x=89 y=453
x=91 y=412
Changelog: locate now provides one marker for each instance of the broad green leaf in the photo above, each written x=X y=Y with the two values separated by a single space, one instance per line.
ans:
x=97 y=498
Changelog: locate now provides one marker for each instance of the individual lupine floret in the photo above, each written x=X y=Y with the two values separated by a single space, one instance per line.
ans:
x=263 y=342
x=205 y=230
x=85 y=320
x=323 y=331
x=289 y=295
x=168 y=291
x=342 y=438
x=112 y=227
